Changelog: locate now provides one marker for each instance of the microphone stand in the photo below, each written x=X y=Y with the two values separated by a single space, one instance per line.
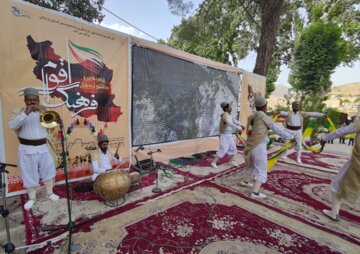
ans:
x=9 y=247
x=157 y=189
x=64 y=155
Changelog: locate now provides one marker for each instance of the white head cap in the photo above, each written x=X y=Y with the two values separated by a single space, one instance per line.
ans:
x=260 y=101
x=30 y=91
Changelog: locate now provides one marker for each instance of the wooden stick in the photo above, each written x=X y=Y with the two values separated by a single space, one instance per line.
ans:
x=117 y=149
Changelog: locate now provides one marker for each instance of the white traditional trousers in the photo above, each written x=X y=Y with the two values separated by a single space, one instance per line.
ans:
x=34 y=167
x=227 y=146
x=258 y=160
x=298 y=138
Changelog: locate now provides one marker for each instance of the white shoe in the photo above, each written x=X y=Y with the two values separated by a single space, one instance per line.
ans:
x=234 y=163
x=213 y=164
x=53 y=197
x=298 y=161
x=246 y=184
x=29 y=204
x=329 y=214
x=258 y=196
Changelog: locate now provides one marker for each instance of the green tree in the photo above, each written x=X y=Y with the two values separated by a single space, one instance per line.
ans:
x=318 y=51
x=273 y=73
x=227 y=30
x=346 y=14
x=338 y=25
x=89 y=10
x=180 y=7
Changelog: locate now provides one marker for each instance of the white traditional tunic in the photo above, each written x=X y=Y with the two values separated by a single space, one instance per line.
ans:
x=102 y=162
x=227 y=143
x=257 y=161
x=296 y=120
x=335 y=183
x=35 y=162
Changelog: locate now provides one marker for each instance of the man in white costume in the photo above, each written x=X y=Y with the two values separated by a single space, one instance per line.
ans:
x=103 y=157
x=346 y=184
x=255 y=149
x=227 y=143
x=35 y=160
x=294 y=125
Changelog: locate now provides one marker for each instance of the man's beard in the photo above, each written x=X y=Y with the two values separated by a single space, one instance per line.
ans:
x=103 y=149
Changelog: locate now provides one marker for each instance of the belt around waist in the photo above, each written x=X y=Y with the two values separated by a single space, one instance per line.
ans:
x=293 y=128
x=29 y=142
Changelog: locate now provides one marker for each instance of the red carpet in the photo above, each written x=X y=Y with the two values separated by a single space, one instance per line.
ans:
x=40 y=220
x=39 y=224
x=198 y=219
x=300 y=193
x=206 y=212
x=323 y=161
x=179 y=228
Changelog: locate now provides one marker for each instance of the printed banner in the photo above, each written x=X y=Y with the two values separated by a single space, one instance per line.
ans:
x=252 y=85
x=174 y=99
x=81 y=72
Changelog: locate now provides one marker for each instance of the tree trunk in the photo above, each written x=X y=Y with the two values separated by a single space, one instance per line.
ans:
x=270 y=16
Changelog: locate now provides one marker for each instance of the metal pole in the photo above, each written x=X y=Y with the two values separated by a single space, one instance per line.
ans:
x=64 y=155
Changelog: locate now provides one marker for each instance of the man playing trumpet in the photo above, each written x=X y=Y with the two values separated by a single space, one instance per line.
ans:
x=35 y=160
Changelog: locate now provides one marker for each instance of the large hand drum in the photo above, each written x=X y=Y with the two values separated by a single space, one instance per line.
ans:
x=112 y=185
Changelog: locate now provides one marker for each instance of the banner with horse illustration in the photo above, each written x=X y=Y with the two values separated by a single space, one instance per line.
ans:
x=76 y=75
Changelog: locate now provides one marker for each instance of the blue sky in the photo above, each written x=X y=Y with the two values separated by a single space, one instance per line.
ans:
x=155 y=18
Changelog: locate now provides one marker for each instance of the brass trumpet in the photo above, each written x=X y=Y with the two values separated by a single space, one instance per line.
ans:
x=50 y=119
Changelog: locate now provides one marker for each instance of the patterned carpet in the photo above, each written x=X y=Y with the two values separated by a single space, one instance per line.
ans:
x=300 y=194
x=198 y=166
x=86 y=206
x=205 y=211
x=323 y=161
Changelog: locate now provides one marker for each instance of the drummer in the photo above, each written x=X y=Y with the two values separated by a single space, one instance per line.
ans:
x=103 y=157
